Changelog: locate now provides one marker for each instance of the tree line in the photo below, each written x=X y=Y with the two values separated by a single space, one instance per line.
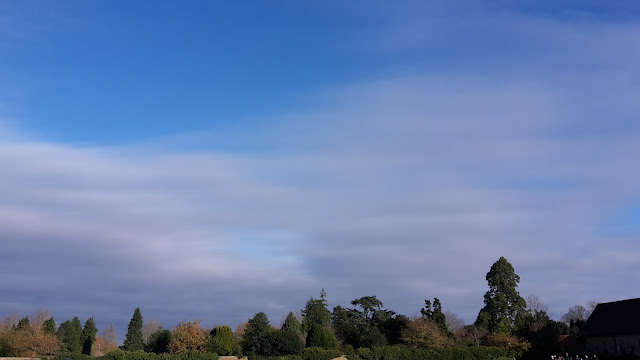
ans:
x=507 y=321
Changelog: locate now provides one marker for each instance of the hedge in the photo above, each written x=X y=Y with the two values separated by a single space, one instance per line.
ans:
x=72 y=356
x=399 y=352
x=141 y=355
x=312 y=353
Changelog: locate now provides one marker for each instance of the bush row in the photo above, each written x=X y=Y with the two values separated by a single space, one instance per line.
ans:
x=72 y=356
x=408 y=353
x=312 y=353
x=141 y=355
x=398 y=353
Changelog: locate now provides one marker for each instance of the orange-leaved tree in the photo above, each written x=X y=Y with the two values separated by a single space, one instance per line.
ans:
x=186 y=337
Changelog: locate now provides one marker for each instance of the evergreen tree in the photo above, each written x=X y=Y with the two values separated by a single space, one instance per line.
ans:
x=503 y=303
x=367 y=325
x=49 y=326
x=289 y=338
x=319 y=336
x=23 y=323
x=316 y=312
x=76 y=343
x=434 y=313
x=344 y=327
x=222 y=341
x=372 y=338
x=89 y=335
x=393 y=327
x=62 y=331
x=70 y=335
x=257 y=336
x=292 y=325
x=133 y=341
x=159 y=342
x=285 y=343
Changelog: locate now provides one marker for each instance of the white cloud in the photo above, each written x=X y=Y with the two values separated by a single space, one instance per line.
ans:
x=406 y=187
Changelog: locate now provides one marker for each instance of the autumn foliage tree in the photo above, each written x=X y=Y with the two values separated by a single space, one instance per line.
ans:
x=423 y=333
x=27 y=341
x=239 y=332
x=508 y=342
x=102 y=346
x=187 y=337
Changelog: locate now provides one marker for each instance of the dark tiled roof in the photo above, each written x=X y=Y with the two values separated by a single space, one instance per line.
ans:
x=618 y=317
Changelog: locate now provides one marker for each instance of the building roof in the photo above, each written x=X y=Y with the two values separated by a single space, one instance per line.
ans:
x=614 y=318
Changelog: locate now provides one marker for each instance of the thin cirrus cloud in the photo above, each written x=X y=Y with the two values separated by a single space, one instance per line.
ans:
x=406 y=187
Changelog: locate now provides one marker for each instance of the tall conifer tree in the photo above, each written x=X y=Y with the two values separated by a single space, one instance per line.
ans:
x=133 y=341
x=89 y=335
x=70 y=335
x=502 y=303
x=49 y=326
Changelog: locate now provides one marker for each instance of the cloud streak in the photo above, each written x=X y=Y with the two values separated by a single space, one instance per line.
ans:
x=406 y=187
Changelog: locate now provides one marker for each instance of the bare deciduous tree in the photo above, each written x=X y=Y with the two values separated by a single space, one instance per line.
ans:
x=535 y=304
x=148 y=328
x=240 y=329
x=109 y=335
x=11 y=320
x=102 y=346
x=575 y=313
x=454 y=324
x=591 y=305
x=38 y=318
x=471 y=335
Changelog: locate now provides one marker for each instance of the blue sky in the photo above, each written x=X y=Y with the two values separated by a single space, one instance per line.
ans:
x=211 y=160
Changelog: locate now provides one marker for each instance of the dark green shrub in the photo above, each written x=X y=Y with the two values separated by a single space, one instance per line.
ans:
x=322 y=337
x=348 y=349
x=158 y=342
x=393 y=352
x=285 y=342
x=399 y=352
x=141 y=355
x=72 y=356
x=364 y=353
x=316 y=353
x=283 y=357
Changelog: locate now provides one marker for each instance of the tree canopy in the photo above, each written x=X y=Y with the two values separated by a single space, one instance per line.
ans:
x=70 y=335
x=187 y=337
x=434 y=313
x=222 y=341
x=316 y=312
x=256 y=338
x=89 y=333
x=133 y=341
x=502 y=303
